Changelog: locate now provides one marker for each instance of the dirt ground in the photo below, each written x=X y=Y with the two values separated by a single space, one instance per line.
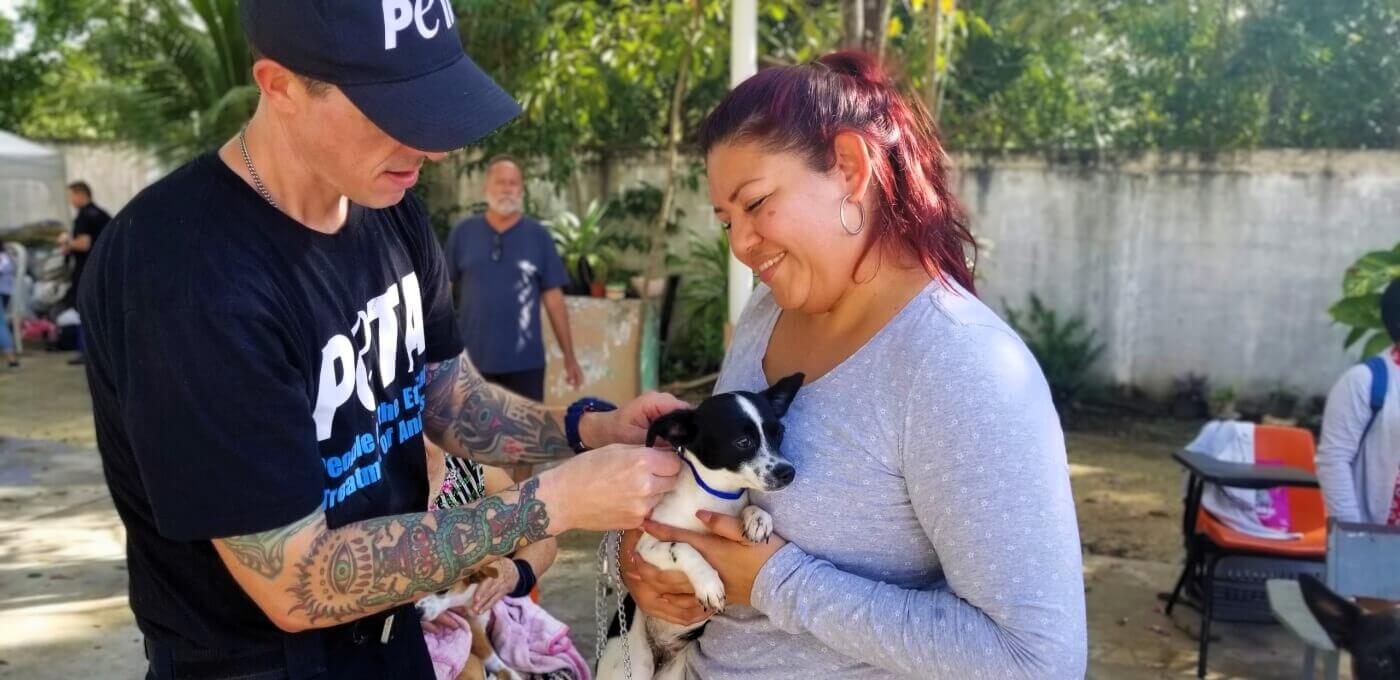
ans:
x=63 y=578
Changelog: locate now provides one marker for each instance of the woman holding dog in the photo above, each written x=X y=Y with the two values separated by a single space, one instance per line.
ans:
x=930 y=531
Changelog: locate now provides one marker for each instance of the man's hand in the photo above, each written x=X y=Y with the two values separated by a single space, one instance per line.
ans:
x=573 y=373
x=627 y=425
x=614 y=487
x=666 y=595
x=495 y=588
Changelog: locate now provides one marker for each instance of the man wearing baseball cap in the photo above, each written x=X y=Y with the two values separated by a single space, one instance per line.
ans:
x=270 y=337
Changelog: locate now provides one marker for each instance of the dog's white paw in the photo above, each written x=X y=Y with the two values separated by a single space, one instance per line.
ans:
x=709 y=589
x=758 y=525
x=432 y=606
x=498 y=669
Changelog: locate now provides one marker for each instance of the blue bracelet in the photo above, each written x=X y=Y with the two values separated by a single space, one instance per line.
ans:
x=575 y=413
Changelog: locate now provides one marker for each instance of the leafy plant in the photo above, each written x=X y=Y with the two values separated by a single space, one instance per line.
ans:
x=1222 y=403
x=1189 y=394
x=636 y=209
x=1360 y=306
x=1281 y=402
x=1066 y=350
x=179 y=79
x=585 y=247
x=704 y=289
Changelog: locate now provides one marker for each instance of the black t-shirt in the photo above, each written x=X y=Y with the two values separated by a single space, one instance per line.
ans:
x=89 y=222
x=246 y=370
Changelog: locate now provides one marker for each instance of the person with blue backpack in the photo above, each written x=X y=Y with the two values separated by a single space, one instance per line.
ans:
x=1358 y=458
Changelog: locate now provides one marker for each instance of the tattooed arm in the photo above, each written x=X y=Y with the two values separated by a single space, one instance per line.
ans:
x=471 y=418
x=307 y=576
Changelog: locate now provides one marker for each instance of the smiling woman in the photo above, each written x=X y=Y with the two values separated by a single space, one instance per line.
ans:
x=915 y=207
x=930 y=529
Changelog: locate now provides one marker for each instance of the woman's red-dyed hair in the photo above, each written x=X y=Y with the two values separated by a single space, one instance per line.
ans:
x=801 y=109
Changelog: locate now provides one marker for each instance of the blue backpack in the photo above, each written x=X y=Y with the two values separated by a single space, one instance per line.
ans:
x=1379 y=378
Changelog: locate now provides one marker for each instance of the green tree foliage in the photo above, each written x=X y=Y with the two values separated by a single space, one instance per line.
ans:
x=47 y=72
x=595 y=76
x=1202 y=75
x=179 y=82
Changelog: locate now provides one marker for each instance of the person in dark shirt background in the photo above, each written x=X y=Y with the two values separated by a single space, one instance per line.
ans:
x=87 y=226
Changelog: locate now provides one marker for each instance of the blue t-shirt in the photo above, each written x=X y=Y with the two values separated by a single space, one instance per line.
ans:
x=499 y=277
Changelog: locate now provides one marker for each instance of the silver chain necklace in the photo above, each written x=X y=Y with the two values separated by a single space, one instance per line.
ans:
x=248 y=161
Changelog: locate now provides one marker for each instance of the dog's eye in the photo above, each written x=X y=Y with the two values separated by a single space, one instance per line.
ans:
x=743 y=443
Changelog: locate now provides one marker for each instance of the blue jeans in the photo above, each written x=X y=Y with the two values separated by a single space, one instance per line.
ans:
x=7 y=342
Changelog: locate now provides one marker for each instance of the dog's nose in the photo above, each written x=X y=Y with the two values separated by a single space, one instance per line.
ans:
x=784 y=474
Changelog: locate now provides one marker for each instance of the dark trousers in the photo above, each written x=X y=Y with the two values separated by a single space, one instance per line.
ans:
x=351 y=650
x=528 y=384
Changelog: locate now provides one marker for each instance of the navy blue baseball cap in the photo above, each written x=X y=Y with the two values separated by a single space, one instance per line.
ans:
x=400 y=62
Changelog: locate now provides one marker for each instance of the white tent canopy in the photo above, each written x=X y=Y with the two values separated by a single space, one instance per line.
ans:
x=32 y=183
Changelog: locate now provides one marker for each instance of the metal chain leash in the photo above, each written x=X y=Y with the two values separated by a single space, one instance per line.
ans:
x=600 y=593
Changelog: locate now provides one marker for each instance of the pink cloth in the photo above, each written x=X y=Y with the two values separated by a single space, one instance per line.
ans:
x=529 y=640
x=450 y=648
x=1275 y=514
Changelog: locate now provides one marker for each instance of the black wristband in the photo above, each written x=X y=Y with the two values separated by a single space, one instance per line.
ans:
x=526 y=582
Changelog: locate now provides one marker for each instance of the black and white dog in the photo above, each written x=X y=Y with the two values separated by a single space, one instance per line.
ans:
x=1372 y=638
x=730 y=445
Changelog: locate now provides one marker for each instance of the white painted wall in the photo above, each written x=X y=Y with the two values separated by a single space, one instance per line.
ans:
x=115 y=173
x=1223 y=268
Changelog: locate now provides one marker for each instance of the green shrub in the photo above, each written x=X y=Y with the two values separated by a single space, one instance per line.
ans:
x=703 y=303
x=1066 y=350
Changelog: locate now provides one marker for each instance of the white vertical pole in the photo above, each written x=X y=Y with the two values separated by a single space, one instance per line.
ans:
x=743 y=62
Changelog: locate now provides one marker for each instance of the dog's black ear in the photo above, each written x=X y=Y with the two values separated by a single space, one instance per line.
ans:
x=1338 y=615
x=677 y=428
x=781 y=394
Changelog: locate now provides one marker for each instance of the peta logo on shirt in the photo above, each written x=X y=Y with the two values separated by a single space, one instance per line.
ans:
x=361 y=370
x=426 y=16
x=344 y=372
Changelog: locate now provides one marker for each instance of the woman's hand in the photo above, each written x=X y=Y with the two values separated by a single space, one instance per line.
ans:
x=666 y=595
x=495 y=588
x=737 y=559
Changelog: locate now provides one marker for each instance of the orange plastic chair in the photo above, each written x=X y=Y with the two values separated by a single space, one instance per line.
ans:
x=1208 y=540
x=1308 y=514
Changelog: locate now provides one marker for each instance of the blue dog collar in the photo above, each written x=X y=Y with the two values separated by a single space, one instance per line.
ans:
x=726 y=495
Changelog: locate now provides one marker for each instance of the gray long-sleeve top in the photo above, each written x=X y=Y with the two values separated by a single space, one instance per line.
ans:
x=932 y=531
x=1359 y=478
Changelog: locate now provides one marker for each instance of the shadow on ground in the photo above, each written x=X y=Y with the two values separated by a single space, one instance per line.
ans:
x=63 y=579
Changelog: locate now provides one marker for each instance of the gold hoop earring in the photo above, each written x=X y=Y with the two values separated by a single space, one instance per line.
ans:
x=844 y=226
